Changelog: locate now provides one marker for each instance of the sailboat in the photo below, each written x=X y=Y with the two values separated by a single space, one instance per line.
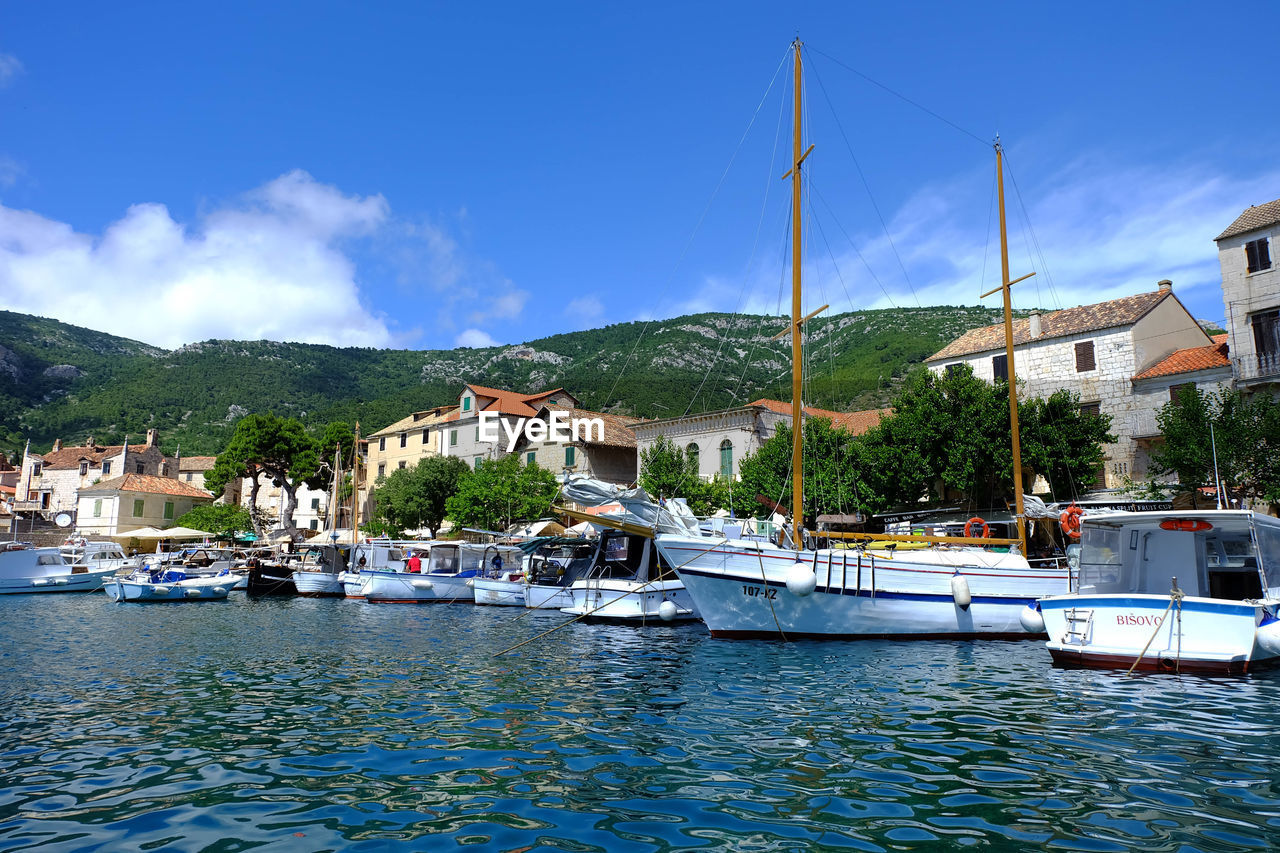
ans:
x=321 y=567
x=746 y=588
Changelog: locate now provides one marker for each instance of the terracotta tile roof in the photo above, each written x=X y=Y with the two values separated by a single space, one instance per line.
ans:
x=617 y=428
x=197 y=463
x=1191 y=359
x=1069 y=321
x=146 y=484
x=1258 y=216
x=418 y=420
x=71 y=457
x=854 y=422
x=512 y=402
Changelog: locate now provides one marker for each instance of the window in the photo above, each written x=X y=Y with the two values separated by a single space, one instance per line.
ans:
x=382 y=469
x=1175 y=391
x=97 y=508
x=531 y=459
x=1266 y=339
x=1084 y=357
x=425 y=433
x=453 y=437
x=140 y=468
x=726 y=459
x=476 y=462
x=106 y=468
x=137 y=508
x=1258 y=255
x=315 y=503
x=382 y=443
x=35 y=469
x=168 y=510
x=402 y=463
x=404 y=439
x=569 y=454
x=189 y=478
x=315 y=524
x=1094 y=409
x=1000 y=368
x=84 y=468
x=692 y=453
x=954 y=369
x=477 y=433
x=466 y=404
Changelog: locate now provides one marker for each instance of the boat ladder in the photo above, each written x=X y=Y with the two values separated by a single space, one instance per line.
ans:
x=1079 y=623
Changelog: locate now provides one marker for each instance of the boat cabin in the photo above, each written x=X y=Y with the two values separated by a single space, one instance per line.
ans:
x=94 y=554
x=1232 y=555
x=626 y=556
x=329 y=559
x=381 y=555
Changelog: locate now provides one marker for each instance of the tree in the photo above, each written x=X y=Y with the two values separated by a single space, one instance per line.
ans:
x=413 y=497
x=666 y=471
x=273 y=447
x=831 y=462
x=500 y=492
x=222 y=520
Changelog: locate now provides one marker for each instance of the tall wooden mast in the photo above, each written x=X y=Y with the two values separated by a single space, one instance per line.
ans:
x=355 y=487
x=1005 y=286
x=797 y=424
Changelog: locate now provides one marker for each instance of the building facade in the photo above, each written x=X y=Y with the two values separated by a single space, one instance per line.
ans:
x=1251 y=295
x=114 y=507
x=461 y=436
x=49 y=483
x=407 y=441
x=607 y=453
x=1097 y=351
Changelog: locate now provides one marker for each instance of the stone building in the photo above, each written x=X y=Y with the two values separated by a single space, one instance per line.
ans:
x=133 y=501
x=461 y=431
x=49 y=483
x=1251 y=294
x=1099 y=352
x=718 y=440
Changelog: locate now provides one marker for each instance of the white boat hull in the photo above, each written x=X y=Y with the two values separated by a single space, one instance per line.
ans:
x=741 y=589
x=191 y=589
x=1204 y=635
x=414 y=588
x=319 y=584
x=615 y=600
x=502 y=593
x=90 y=581
x=538 y=597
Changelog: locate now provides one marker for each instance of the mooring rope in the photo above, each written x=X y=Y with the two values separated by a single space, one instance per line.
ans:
x=1175 y=597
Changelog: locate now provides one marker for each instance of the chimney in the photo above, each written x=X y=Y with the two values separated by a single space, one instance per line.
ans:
x=88 y=442
x=1035 y=324
x=57 y=444
x=1164 y=285
x=151 y=437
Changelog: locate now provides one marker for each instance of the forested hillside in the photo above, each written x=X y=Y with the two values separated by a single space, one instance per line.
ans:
x=61 y=381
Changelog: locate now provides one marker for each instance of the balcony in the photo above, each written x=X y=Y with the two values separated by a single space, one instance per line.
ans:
x=1265 y=367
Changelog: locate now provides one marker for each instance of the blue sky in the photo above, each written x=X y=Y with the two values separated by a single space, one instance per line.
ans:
x=428 y=175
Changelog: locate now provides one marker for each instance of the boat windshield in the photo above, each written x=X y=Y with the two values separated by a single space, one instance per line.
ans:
x=1268 y=536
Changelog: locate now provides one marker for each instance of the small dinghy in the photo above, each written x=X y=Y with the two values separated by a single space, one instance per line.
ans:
x=169 y=585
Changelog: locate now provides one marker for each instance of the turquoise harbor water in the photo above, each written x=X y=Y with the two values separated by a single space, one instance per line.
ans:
x=294 y=724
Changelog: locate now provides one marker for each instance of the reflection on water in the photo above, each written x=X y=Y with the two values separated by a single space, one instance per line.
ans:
x=305 y=724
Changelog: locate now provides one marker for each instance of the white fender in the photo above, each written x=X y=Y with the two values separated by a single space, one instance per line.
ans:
x=801 y=580
x=960 y=591
x=667 y=610
x=471 y=584
x=219 y=590
x=1032 y=619
x=160 y=590
x=422 y=584
x=192 y=593
x=1268 y=636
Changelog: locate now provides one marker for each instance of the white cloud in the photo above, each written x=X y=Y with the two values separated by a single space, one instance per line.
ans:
x=267 y=268
x=475 y=338
x=10 y=67
x=586 y=311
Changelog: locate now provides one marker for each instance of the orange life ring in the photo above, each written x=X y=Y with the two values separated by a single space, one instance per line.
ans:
x=969 y=525
x=1070 y=521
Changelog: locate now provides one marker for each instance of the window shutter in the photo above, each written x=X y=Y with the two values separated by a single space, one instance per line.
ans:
x=1000 y=368
x=1264 y=255
x=1084 y=357
x=1092 y=409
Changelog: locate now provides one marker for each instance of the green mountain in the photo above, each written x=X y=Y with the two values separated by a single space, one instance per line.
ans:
x=61 y=381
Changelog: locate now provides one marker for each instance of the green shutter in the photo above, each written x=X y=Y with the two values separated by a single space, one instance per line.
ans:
x=137 y=508
x=168 y=510
x=531 y=459
x=568 y=456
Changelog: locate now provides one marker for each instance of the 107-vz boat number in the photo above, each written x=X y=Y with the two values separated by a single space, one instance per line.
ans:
x=759 y=592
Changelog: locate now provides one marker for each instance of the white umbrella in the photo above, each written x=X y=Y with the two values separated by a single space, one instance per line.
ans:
x=169 y=533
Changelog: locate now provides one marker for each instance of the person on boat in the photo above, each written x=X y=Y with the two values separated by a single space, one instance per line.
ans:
x=415 y=562
x=497 y=564
x=363 y=562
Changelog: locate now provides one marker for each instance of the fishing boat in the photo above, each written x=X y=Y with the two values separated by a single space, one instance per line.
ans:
x=550 y=575
x=168 y=585
x=319 y=572
x=745 y=588
x=378 y=556
x=96 y=554
x=442 y=580
x=26 y=569
x=1174 y=591
x=501 y=578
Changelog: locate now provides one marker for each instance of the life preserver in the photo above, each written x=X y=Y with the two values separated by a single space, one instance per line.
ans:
x=1070 y=521
x=969 y=525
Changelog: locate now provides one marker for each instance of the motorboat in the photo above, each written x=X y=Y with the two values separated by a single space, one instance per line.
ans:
x=96 y=554
x=629 y=581
x=1175 y=591
x=27 y=569
x=319 y=571
x=442 y=580
x=150 y=585
x=377 y=556
x=502 y=578
x=550 y=575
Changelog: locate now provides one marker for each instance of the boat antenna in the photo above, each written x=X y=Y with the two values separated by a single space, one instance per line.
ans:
x=1217 y=480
